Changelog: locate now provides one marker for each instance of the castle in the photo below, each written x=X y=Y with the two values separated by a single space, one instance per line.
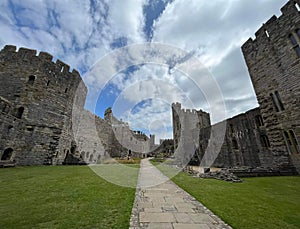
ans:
x=267 y=136
x=43 y=120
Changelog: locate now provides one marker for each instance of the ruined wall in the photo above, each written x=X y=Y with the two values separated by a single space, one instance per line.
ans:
x=273 y=60
x=42 y=116
x=122 y=140
x=245 y=142
x=165 y=148
x=39 y=131
x=89 y=146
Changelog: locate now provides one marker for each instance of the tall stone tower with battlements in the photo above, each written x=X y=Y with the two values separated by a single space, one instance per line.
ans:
x=186 y=126
x=36 y=103
x=273 y=60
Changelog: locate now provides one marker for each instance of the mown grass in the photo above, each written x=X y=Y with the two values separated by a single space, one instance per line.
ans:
x=267 y=202
x=63 y=197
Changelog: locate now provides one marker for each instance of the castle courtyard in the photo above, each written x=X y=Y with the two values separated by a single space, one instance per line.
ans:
x=176 y=115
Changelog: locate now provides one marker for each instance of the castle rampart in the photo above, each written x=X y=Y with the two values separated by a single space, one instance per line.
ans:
x=273 y=62
x=28 y=82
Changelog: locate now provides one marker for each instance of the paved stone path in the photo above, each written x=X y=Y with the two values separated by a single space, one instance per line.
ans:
x=159 y=203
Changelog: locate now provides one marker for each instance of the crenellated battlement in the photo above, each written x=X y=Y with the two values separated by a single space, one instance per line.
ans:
x=10 y=52
x=177 y=106
x=273 y=27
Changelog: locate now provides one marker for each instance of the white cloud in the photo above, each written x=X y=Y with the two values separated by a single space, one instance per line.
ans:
x=81 y=33
x=127 y=19
x=215 y=31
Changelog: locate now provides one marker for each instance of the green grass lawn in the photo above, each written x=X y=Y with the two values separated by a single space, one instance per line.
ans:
x=268 y=202
x=63 y=197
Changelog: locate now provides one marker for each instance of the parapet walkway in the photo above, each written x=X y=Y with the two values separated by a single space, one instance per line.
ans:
x=161 y=204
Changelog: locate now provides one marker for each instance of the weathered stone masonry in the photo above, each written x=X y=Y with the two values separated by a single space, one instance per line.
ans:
x=42 y=115
x=273 y=60
x=267 y=136
x=35 y=121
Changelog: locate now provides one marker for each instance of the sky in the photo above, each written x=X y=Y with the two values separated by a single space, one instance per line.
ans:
x=107 y=41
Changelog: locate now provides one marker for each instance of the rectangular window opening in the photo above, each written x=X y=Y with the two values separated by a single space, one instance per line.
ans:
x=259 y=120
x=274 y=102
x=265 y=141
x=279 y=101
x=235 y=144
x=231 y=128
x=287 y=141
x=294 y=141
x=293 y=40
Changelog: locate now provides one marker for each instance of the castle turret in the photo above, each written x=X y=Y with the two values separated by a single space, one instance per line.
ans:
x=41 y=95
x=273 y=62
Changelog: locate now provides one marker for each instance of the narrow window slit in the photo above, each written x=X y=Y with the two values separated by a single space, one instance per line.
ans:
x=297 y=6
x=274 y=102
x=267 y=33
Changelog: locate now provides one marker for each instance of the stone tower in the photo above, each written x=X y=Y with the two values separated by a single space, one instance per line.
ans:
x=152 y=141
x=186 y=128
x=36 y=103
x=273 y=60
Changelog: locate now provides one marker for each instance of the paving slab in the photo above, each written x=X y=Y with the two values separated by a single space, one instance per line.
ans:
x=160 y=226
x=190 y=226
x=156 y=217
x=183 y=218
x=159 y=203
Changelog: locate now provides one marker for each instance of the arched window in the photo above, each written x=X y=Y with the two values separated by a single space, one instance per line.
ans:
x=82 y=154
x=48 y=82
x=20 y=112
x=91 y=158
x=31 y=79
x=66 y=90
x=73 y=149
x=7 y=154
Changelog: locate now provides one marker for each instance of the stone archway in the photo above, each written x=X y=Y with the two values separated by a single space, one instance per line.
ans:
x=7 y=154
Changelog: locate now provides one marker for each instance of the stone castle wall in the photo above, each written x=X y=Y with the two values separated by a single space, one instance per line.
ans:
x=242 y=144
x=267 y=136
x=123 y=140
x=38 y=130
x=245 y=142
x=273 y=60
x=42 y=115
